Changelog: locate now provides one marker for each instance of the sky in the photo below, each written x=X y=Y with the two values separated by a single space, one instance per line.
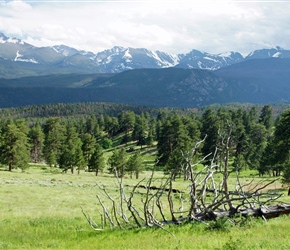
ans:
x=169 y=26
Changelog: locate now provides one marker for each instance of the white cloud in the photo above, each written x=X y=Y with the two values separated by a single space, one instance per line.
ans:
x=16 y=5
x=170 y=26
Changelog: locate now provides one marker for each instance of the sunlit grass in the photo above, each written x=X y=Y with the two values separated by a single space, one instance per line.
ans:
x=40 y=209
x=73 y=233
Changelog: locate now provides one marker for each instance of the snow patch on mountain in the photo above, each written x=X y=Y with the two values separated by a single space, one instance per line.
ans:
x=18 y=58
x=278 y=54
x=60 y=50
x=165 y=60
x=226 y=54
x=210 y=59
x=109 y=59
x=127 y=56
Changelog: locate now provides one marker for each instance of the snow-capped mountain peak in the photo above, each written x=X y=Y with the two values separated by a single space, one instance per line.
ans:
x=118 y=59
x=276 y=52
x=5 y=39
x=204 y=60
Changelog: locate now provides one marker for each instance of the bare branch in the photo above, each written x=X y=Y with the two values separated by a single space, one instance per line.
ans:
x=91 y=222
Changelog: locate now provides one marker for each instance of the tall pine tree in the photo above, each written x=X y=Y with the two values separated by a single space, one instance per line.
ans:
x=97 y=160
x=36 y=140
x=14 y=146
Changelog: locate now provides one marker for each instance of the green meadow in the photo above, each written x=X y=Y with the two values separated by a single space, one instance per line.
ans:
x=41 y=209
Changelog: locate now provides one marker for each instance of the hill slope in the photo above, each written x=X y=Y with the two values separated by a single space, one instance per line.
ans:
x=259 y=80
x=169 y=87
x=251 y=81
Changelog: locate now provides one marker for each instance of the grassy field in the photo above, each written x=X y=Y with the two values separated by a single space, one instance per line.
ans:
x=40 y=209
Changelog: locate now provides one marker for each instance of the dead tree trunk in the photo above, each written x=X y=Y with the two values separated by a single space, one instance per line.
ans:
x=204 y=198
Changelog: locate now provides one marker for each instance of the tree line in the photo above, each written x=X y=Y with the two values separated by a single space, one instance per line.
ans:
x=258 y=141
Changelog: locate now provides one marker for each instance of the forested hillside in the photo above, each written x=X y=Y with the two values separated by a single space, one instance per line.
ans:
x=76 y=110
x=170 y=87
x=78 y=142
x=84 y=109
x=257 y=81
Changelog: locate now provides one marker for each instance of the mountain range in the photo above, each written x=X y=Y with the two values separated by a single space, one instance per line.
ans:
x=18 y=59
x=37 y=75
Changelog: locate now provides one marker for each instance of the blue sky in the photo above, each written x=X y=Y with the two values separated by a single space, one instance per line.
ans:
x=170 y=26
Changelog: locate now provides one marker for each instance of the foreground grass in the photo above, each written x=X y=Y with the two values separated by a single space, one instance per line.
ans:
x=40 y=209
x=73 y=233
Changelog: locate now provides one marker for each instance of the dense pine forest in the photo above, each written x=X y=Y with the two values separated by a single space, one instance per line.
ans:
x=75 y=137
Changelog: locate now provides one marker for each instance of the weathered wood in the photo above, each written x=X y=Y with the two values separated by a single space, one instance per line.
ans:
x=275 y=210
x=160 y=189
x=267 y=212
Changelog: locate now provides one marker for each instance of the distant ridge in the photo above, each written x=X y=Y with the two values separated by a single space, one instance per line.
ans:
x=253 y=81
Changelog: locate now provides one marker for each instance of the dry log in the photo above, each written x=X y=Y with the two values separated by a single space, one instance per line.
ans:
x=275 y=210
x=267 y=212
x=160 y=189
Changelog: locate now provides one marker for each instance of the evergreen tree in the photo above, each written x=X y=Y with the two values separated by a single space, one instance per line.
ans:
x=209 y=128
x=282 y=138
x=158 y=127
x=111 y=125
x=97 y=161
x=161 y=119
x=240 y=163
x=117 y=162
x=36 y=140
x=80 y=162
x=223 y=119
x=14 y=146
x=88 y=146
x=69 y=150
x=266 y=117
x=240 y=139
x=248 y=118
x=126 y=121
x=140 y=130
x=286 y=174
x=106 y=143
x=101 y=122
x=173 y=140
x=135 y=165
x=150 y=138
x=257 y=145
x=253 y=114
x=268 y=161
x=92 y=127
x=276 y=156
x=54 y=136
x=192 y=127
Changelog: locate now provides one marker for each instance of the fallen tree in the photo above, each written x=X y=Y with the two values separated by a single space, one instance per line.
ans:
x=206 y=197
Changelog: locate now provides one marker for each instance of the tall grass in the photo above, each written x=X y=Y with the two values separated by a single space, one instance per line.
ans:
x=40 y=209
